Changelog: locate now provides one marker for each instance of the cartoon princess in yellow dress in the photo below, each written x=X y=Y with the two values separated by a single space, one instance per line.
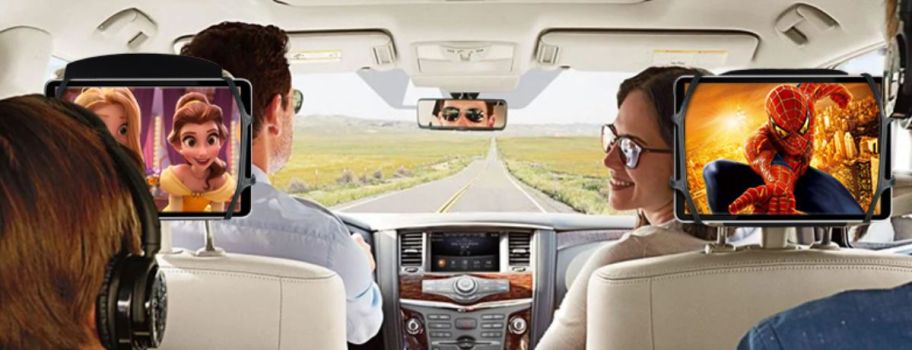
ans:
x=202 y=184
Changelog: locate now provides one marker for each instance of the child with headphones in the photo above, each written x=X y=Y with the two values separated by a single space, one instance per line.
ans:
x=76 y=243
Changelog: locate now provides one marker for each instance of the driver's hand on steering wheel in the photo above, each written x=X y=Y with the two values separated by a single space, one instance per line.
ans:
x=367 y=249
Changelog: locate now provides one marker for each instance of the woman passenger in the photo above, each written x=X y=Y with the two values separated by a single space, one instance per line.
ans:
x=639 y=157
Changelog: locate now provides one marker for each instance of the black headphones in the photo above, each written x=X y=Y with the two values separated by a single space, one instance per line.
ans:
x=132 y=305
x=897 y=92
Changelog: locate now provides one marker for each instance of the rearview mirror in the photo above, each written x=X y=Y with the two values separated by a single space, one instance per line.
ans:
x=459 y=114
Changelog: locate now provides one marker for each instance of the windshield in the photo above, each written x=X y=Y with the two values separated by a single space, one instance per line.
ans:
x=353 y=152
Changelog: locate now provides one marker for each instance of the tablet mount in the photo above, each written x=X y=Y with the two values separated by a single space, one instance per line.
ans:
x=775 y=235
x=161 y=66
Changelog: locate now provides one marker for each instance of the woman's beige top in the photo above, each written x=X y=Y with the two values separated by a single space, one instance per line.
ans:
x=568 y=330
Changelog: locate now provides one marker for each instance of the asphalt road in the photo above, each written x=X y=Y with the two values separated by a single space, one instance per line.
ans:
x=485 y=185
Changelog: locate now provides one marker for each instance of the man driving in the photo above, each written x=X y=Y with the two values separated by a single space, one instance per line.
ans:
x=280 y=225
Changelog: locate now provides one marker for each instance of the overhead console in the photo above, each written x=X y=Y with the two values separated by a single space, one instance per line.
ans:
x=466 y=288
x=489 y=66
x=632 y=50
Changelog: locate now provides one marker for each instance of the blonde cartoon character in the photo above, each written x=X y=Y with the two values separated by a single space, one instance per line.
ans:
x=198 y=133
x=118 y=108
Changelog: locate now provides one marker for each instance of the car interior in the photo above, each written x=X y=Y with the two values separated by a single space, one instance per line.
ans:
x=547 y=59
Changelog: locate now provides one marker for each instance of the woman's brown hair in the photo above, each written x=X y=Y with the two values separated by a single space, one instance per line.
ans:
x=657 y=83
x=64 y=214
x=194 y=108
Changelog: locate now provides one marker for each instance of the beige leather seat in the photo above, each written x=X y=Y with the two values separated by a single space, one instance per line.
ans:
x=250 y=302
x=709 y=301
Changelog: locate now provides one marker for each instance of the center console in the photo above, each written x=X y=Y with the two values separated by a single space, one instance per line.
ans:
x=466 y=289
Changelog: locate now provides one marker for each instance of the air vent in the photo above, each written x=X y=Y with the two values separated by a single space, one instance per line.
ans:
x=519 y=248
x=410 y=247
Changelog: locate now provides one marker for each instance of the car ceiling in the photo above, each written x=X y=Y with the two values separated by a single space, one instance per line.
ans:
x=74 y=25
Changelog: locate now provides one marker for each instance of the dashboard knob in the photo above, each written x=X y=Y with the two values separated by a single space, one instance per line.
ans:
x=466 y=285
x=517 y=325
x=412 y=326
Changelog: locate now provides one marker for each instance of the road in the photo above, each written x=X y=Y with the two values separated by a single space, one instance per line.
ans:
x=485 y=185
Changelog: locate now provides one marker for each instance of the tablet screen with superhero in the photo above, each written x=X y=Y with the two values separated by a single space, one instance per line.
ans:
x=803 y=149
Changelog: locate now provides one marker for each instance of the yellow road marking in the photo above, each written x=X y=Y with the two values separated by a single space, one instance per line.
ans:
x=449 y=203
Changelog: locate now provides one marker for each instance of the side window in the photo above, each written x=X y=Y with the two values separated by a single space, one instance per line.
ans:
x=871 y=62
x=894 y=235
x=55 y=64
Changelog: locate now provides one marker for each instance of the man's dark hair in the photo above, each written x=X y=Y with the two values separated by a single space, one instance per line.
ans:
x=248 y=51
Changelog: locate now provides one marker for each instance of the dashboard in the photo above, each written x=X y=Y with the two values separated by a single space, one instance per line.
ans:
x=470 y=281
x=465 y=289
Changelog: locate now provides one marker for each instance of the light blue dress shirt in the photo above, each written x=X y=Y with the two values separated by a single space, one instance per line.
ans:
x=284 y=227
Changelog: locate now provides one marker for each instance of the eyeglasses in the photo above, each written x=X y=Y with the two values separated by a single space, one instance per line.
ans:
x=630 y=149
x=297 y=100
x=451 y=114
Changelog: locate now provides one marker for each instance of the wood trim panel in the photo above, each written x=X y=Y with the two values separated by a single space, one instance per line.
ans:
x=520 y=286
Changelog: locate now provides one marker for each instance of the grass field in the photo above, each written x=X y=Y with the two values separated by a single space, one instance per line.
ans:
x=568 y=169
x=340 y=160
x=343 y=163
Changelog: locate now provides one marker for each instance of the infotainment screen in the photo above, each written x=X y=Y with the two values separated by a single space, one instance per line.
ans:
x=460 y=252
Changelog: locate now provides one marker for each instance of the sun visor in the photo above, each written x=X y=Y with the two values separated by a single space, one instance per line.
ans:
x=624 y=50
x=334 y=51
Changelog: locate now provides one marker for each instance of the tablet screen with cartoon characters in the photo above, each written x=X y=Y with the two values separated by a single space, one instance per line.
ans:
x=188 y=139
x=783 y=149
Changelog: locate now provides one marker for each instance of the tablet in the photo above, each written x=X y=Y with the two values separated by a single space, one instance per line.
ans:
x=774 y=149
x=187 y=134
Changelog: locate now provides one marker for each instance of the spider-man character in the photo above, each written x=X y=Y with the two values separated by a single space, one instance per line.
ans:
x=779 y=179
